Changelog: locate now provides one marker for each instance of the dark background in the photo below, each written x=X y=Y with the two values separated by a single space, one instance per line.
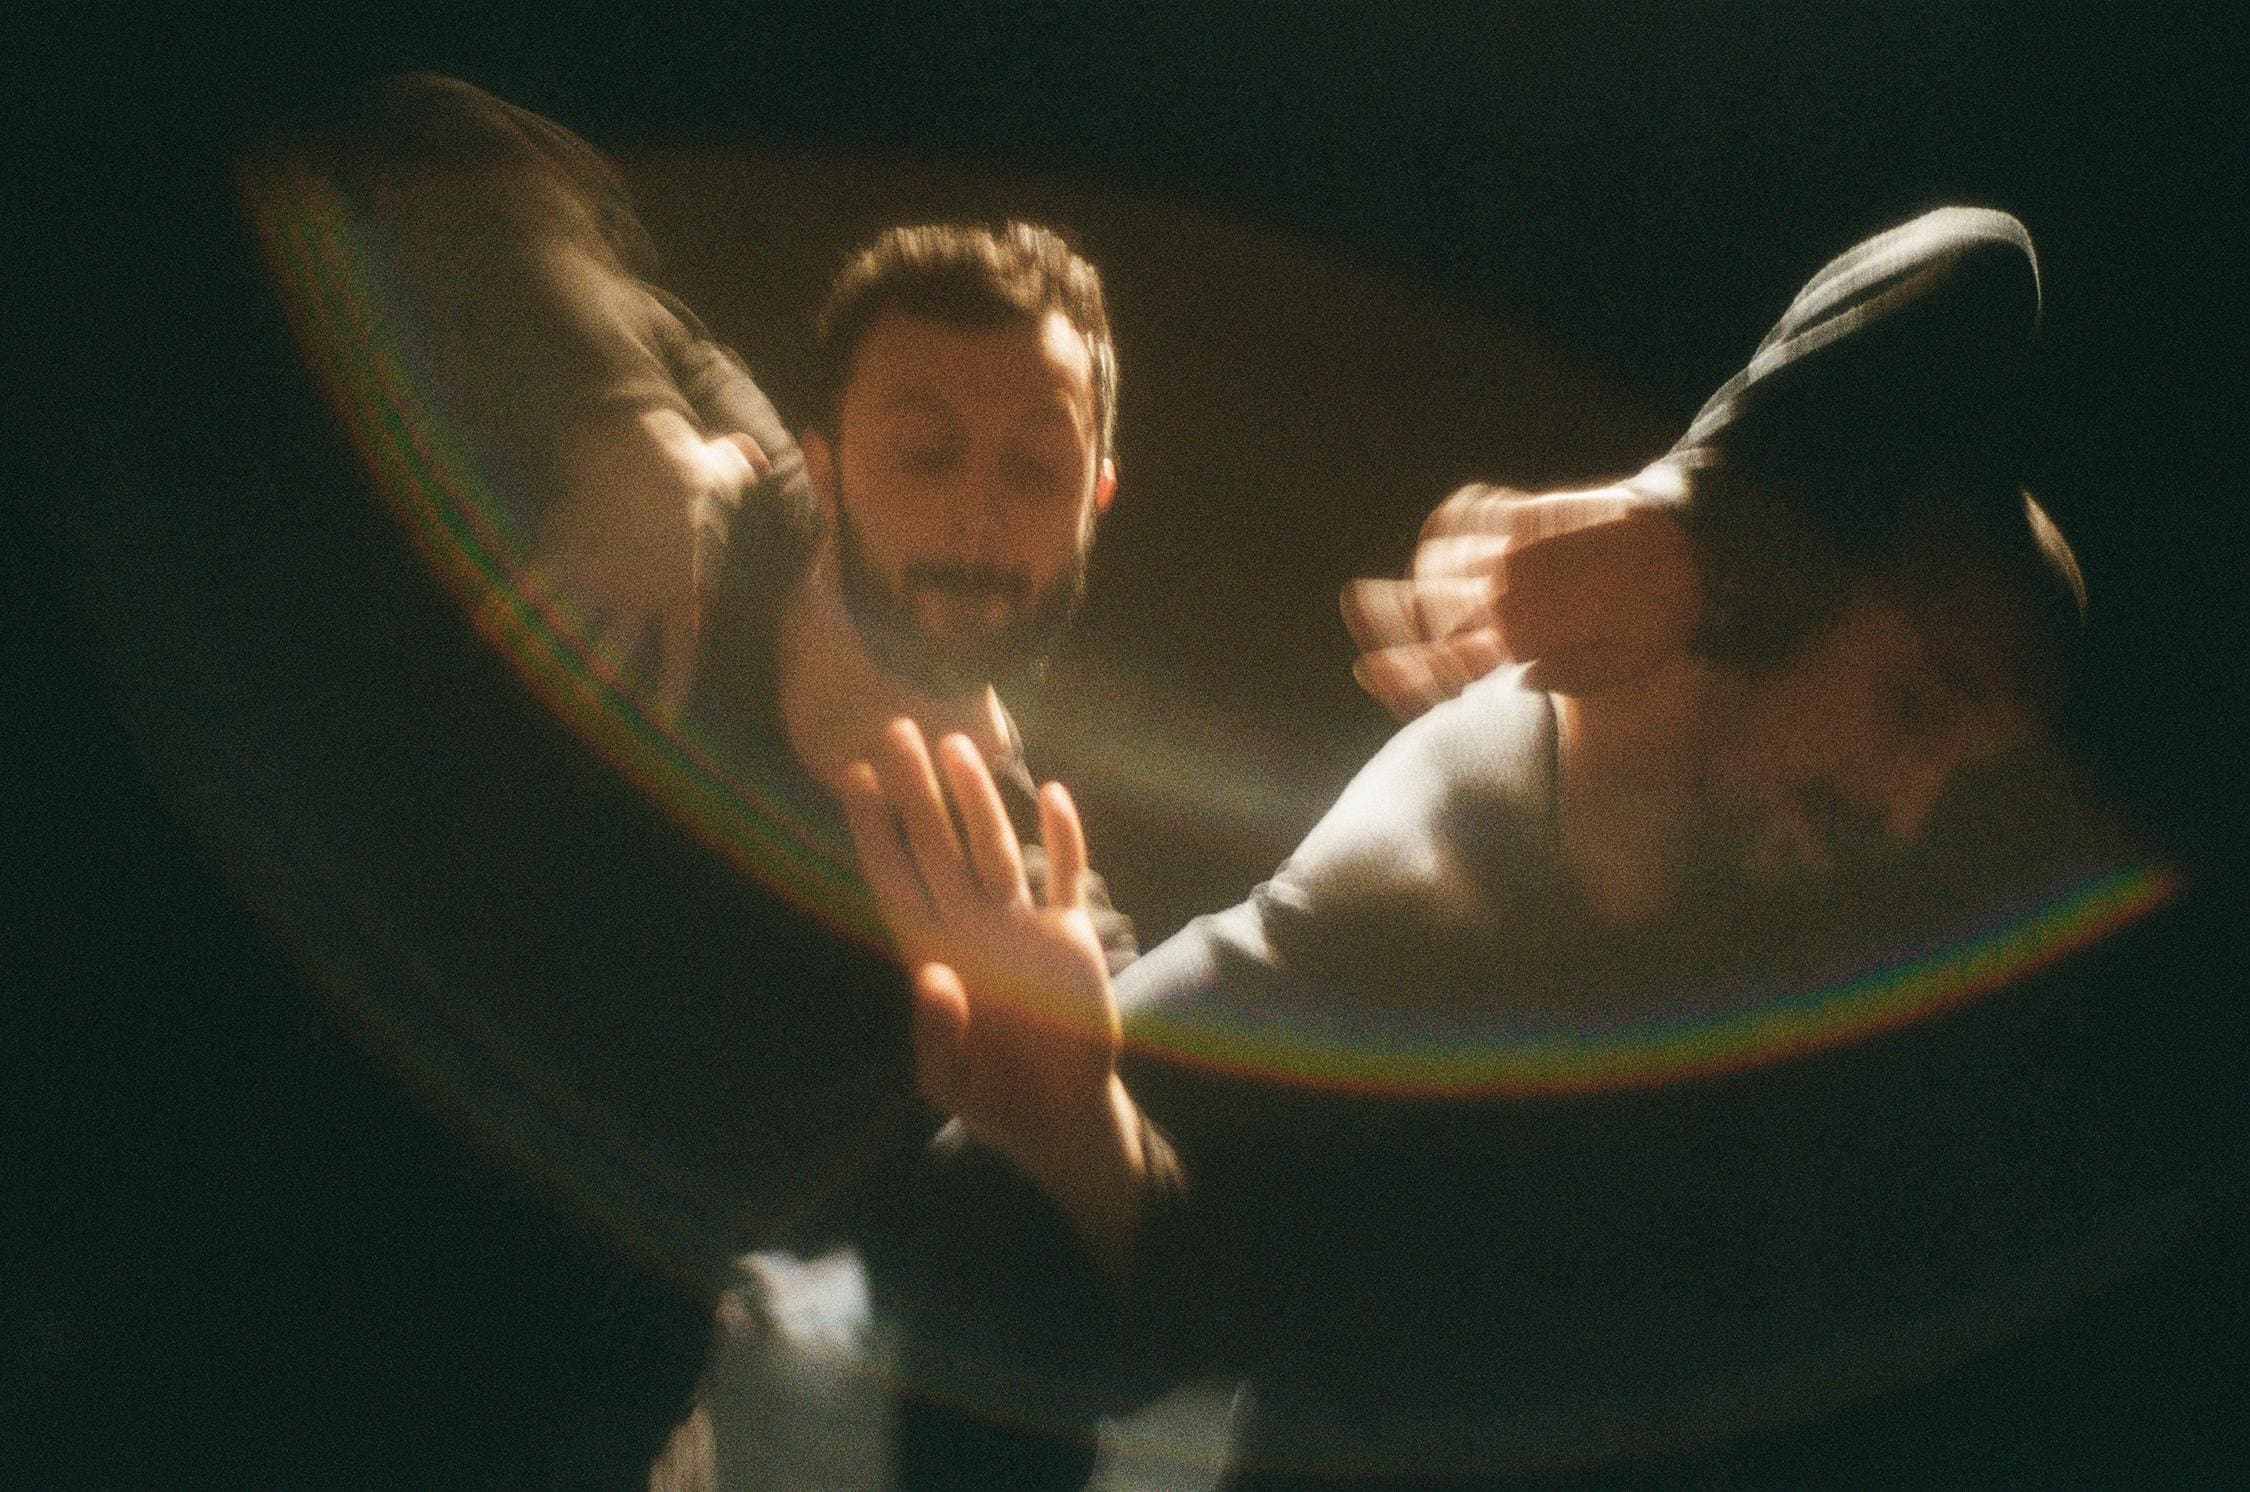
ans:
x=248 y=1255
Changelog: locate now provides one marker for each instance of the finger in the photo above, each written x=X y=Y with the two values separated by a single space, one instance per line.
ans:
x=1408 y=680
x=1065 y=839
x=1478 y=508
x=1375 y=614
x=1458 y=556
x=1444 y=607
x=676 y=678
x=752 y=452
x=993 y=851
x=1464 y=537
x=1398 y=701
x=1402 y=680
x=1389 y=613
x=1477 y=652
x=883 y=856
x=1399 y=689
x=1447 y=667
x=1535 y=520
x=910 y=782
x=940 y=1035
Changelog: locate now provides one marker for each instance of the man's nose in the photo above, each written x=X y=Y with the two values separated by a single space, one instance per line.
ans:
x=976 y=520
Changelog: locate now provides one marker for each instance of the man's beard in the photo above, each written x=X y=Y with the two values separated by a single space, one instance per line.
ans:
x=1012 y=654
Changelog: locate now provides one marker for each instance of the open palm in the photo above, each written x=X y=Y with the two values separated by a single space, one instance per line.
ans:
x=1015 y=1029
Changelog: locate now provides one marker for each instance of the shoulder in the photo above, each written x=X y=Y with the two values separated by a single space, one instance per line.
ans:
x=1460 y=796
x=1429 y=861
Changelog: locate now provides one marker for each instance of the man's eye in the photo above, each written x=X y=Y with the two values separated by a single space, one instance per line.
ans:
x=1031 y=476
x=927 y=461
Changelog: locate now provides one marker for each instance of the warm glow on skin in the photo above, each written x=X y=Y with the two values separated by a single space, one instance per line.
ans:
x=971 y=451
x=1843 y=749
x=1855 y=738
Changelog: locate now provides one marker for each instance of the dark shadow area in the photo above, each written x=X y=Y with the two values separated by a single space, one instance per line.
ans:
x=252 y=1247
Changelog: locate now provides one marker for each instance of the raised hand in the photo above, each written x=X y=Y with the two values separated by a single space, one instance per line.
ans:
x=1015 y=1029
x=1590 y=590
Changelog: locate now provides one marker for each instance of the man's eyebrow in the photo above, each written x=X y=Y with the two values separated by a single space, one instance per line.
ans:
x=912 y=399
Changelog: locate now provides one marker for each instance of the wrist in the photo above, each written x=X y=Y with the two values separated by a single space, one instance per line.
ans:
x=1096 y=1169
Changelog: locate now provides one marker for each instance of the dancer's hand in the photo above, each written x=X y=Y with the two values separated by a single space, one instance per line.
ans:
x=1590 y=589
x=1015 y=1028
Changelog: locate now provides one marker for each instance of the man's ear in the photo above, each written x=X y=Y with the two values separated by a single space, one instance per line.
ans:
x=820 y=470
x=1105 y=485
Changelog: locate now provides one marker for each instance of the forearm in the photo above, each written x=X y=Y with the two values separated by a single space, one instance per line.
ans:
x=1099 y=1170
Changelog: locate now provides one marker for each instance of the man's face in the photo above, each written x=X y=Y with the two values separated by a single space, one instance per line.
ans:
x=1839 y=755
x=961 y=487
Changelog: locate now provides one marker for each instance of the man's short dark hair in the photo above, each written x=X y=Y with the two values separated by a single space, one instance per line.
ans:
x=971 y=276
x=1875 y=438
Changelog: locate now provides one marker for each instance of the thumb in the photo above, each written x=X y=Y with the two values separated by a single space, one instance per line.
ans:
x=941 y=1029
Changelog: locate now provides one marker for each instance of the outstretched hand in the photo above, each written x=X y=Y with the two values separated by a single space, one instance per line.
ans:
x=1015 y=1029
x=1590 y=590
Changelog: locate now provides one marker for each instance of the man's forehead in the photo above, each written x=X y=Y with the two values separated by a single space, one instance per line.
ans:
x=1034 y=371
